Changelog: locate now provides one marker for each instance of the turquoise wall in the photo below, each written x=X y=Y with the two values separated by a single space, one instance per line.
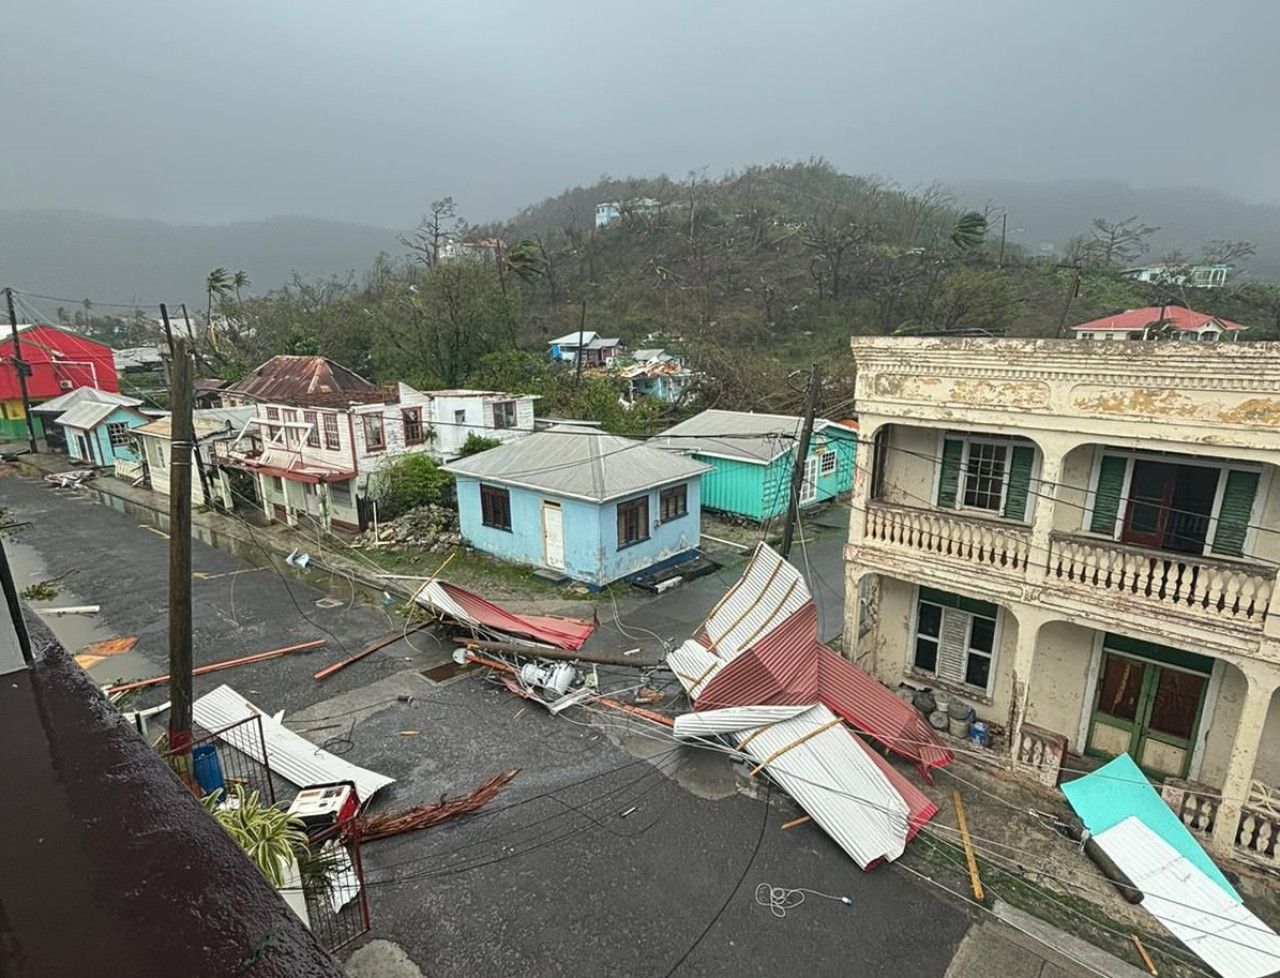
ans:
x=102 y=451
x=590 y=533
x=761 y=492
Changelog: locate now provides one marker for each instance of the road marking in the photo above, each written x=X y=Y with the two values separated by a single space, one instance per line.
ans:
x=203 y=576
x=159 y=533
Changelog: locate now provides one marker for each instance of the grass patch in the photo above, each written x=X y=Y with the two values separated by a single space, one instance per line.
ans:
x=41 y=591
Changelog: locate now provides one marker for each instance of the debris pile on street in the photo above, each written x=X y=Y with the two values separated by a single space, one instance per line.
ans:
x=434 y=528
x=473 y=613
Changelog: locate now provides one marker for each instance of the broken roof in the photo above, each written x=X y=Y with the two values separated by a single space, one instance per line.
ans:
x=582 y=463
x=754 y=438
x=82 y=395
x=90 y=414
x=306 y=381
x=470 y=609
x=206 y=422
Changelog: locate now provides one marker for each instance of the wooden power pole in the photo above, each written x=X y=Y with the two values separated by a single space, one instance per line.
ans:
x=22 y=369
x=1071 y=294
x=582 y=328
x=802 y=456
x=181 y=444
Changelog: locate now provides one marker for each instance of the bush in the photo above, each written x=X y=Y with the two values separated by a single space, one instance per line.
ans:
x=410 y=482
x=475 y=444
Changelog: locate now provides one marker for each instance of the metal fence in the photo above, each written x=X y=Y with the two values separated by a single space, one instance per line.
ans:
x=337 y=901
x=234 y=756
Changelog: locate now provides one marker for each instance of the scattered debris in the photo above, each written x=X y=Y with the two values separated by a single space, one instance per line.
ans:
x=1142 y=950
x=40 y=591
x=432 y=528
x=369 y=649
x=111 y=646
x=216 y=666
x=70 y=480
x=458 y=605
x=424 y=816
x=786 y=826
x=79 y=609
x=288 y=754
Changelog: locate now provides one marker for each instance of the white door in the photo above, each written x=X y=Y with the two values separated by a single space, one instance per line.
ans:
x=809 y=487
x=552 y=535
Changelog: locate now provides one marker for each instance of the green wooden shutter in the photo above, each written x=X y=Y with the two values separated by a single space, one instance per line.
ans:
x=949 y=479
x=1234 y=513
x=1106 y=500
x=1021 y=459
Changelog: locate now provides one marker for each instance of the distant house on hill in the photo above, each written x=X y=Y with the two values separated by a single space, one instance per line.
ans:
x=655 y=373
x=1152 y=322
x=595 y=350
x=752 y=457
x=593 y=506
x=1192 y=276
x=610 y=210
x=486 y=250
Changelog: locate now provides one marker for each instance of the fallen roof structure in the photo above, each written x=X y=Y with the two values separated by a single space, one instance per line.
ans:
x=288 y=754
x=761 y=676
x=465 y=608
x=1194 y=908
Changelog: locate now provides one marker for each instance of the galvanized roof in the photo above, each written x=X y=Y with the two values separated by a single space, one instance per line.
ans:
x=82 y=395
x=289 y=754
x=769 y=591
x=755 y=438
x=206 y=422
x=581 y=463
x=1221 y=931
x=90 y=414
x=306 y=381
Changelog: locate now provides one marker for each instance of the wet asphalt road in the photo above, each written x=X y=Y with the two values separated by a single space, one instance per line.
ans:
x=554 y=879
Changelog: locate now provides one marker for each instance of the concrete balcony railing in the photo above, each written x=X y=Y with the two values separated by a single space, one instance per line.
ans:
x=981 y=544
x=1257 y=838
x=1212 y=590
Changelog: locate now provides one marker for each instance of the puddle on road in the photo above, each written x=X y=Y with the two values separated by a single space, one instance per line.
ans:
x=74 y=631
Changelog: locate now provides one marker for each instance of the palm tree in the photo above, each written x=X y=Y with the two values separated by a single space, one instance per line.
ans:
x=970 y=230
x=240 y=280
x=218 y=283
x=525 y=261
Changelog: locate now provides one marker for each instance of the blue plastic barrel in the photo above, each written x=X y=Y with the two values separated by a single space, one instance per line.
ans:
x=207 y=768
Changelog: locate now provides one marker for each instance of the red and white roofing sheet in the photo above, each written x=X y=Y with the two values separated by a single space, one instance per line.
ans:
x=459 y=604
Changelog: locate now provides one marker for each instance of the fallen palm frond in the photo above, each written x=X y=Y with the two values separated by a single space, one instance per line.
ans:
x=425 y=816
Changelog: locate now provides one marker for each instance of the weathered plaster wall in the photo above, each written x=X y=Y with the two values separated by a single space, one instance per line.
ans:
x=1073 y=489
x=910 y=465
x=1059 y=675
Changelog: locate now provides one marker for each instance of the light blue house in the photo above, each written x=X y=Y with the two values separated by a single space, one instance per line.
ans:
x=595 y=507
x=752 y=457
x=100 y=434
x=657 y=374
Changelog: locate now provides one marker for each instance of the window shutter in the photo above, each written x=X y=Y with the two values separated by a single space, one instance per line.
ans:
x=953 y=640
x=1022 y=458
x=1234 y=513
x=1106 y=499
x=949 y=479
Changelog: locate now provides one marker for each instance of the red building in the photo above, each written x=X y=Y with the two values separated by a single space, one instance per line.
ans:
x=60 y=361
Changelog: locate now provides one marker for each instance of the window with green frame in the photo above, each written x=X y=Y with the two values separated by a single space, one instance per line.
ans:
x=986 y=473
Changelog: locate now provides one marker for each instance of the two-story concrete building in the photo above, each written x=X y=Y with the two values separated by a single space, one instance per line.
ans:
x=1080 y=541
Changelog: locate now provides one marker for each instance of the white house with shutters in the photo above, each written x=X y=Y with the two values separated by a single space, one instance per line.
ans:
x=1080 y=541
x=321 y=432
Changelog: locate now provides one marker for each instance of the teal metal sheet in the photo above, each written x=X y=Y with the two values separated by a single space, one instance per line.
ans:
x=1118 y=790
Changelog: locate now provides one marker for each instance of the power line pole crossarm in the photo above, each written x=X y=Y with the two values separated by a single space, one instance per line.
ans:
x=181 y=444
x=802 y=458
x=22 y=369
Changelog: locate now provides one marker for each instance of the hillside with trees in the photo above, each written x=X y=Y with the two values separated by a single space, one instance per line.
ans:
x=752 y=276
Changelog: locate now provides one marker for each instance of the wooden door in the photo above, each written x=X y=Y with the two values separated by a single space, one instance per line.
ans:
x=809 y=484
x=1150 y=498
x=553 y=535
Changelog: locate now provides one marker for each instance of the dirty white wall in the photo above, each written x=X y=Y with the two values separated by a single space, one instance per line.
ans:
x=1073 y=489
x=1059 y=675
x=910 y=465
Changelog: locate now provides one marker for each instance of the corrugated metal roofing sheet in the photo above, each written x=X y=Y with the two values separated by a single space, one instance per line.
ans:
x=290 y=755
x=694 y=666
x=306 y=380
x=834 y=777
x=65 y=402
x=755 y=438
x=90 y=414
x=581 y=463
x=712 y=723
x=1224 y=934
x=769 y=591
x=462 y=606
x=1119 y=789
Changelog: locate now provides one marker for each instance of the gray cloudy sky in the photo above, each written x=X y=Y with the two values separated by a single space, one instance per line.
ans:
x=364 y=110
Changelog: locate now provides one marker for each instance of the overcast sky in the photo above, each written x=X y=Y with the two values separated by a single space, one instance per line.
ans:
x=364 y=110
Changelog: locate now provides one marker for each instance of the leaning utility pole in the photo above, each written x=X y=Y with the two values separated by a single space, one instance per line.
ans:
x=802 y=456
x=23 y=368
x=1074 y=291
x=582 y=327
x=181 y=438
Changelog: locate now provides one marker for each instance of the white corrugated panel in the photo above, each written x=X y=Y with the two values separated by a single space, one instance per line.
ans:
x=733 y=719
x=1225 y=935
x=694 y=666
x=768 y=593
x=437 y=598
x=290 y=755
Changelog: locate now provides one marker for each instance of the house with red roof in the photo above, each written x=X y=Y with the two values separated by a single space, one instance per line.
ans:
x=59 y=361
x=1149 y=322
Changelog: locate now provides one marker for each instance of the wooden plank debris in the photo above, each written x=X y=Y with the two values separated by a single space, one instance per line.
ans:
x=217 y=666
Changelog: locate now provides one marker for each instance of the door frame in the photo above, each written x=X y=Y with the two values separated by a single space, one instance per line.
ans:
x=809 y=460
x=546 y=505
x=1155 y=539
x=1199 y=731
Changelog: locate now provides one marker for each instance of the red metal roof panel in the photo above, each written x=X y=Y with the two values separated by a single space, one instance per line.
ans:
x=460 y=604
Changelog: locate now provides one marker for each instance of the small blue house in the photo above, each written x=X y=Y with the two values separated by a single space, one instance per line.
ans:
x=596 y=507
x=100 y=434
x=752 y=457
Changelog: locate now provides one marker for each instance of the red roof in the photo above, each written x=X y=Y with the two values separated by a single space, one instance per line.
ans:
x=56 y=356
x=1138 y=319
x=563 y=633
x=790 y=667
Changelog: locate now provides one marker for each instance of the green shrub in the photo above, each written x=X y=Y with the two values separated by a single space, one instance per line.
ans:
x=475 y=444
x=410 y=482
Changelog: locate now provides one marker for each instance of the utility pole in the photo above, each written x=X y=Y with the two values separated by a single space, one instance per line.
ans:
x=802 y=456
x=1075 y=291
x=181 y=438
x=23 y=368
x=582 y=327
x=1004 y=226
